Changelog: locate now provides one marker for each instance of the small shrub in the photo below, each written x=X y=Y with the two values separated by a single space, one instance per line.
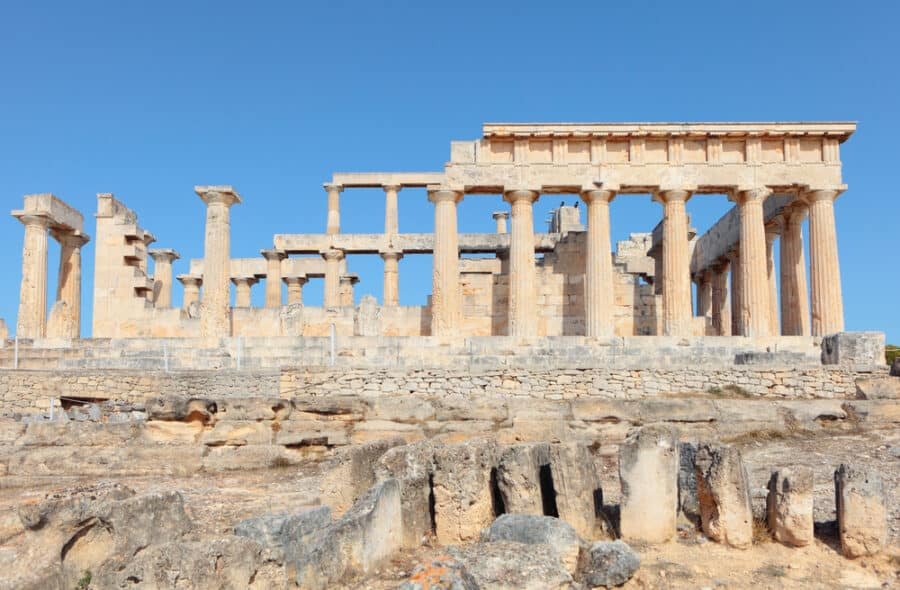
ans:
x=891 y=351
x=84 y=583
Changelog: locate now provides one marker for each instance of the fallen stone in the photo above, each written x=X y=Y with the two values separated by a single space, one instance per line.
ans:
x=723 y=492
x=519 y=474
x=861 y=511
x=608 y=564
x=367 y=535
x=505 y=565
x=279 y=532
x=442 y=573
x=576 y=485
x=351 y=473
x=463 y=498
x=789 y=506
x=648 y=469
x=182 y=408
x=413 y=466
x=538 y=530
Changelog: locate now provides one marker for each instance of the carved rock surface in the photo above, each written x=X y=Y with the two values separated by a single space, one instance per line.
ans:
x=723 y=492
x=519 y=477
x=576 y=484
x=789 y=506
x=648 y=469
x=505 y=565
x=281 y=533
x=464 y=504
x=538 y=530
x=861 y=511
x=352 y=473
x=608 y=564
x=413 y=466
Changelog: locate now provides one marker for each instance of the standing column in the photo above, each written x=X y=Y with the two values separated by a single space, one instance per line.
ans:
x=333 y=225
x=391 y=294
x=391 y=216
x=721 y=312
x=162 y=276
x=333 y=260
x=191 y=290
x=346 y=294
x=215 y=307
x=754 y=281
x=676 y=291
x=32 y=319
x=598 y=278
x=794 y=294
x=500 y=217
x=522 y=288
x=446 y=304
x=737 y=291
x=68 y=286
x=273 y=276
x=295 y=289
x=242 y=292
x=825 y=272
x=772 y=232
x=704 y=294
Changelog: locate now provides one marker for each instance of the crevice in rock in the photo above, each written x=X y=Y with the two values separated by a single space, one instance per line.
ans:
x=548 y=492
x=432 y=504
x=496 y=497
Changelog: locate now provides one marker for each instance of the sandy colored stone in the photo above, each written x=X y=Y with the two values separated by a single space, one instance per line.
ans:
x=723 y=491
x=463 y=499
x=789 y=506
x=648 y=470
x=861 y=511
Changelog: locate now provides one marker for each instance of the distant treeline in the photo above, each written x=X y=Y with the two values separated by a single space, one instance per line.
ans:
x=891 y=351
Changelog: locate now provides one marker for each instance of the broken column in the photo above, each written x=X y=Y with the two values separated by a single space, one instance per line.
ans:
x=162 y=276
x=333 y=225
x=215 y=307
x=348 y=281
x=391 y=211
x=295 y=288
x=789 y=506
x=648 y=469
x=861 y=511
x=723 y=492
x=500 y=218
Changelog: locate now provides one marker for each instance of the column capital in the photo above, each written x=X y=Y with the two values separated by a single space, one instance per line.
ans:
x=796 y=214
x=224 y=194
x=391 y=254
x=672 y=195
x=500 y=214
x=515 y=195
x=332 y=254
x=245 y=280
x=32 y=219
x=273 y=254
x=163 y=255
x=190 y=280
x=392 y=187
x=742 y=195
x=330 y=187
x=349 y=278
x=295 y=279
x=440 y=195
x=813 y=195
x=598 y=194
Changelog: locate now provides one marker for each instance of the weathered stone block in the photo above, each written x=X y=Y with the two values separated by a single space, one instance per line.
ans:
x=519 y=474
x=281 y=533
x=238 y=434
x=464 y=503
x=648 y=469
x=576 y=484
x=861 y=511
x=351 y=473
x=857 y=350
x=608 y=564
x=254 y=408
x=538 y=530
x=505 y=565
x=413 y=466
x=304 y=433
x=723 y=492
x=789 y=506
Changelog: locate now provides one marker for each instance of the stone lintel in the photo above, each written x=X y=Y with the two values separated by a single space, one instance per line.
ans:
x=61 y=216
x=385 y=179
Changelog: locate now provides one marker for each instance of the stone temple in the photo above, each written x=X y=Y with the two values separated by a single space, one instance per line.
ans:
x=545 y=368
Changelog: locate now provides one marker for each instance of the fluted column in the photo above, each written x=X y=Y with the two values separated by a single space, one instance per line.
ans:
x=598 y=277
x=295 y=288
x=794 y=293
x=522 y=288
x=676 y=280
x=737 y=327
x=391 y=294
x=391 y=214
x=704 y=294
x=242 y=291
x=754 y=278
x=162 y=276
x=825 y=272
x=333 y=258
x=273 y=276
x=346 y=294
x=446 y=302
x=721 y=312
x=500 y=218
x=32 y=318
x=333 y=225
x=191 y=287
x=68 y=285
x=215 y=307
x=772 y=232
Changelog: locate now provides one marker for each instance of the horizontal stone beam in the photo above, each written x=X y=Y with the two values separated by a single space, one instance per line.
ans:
x=256 y=267
x=404 y=243
x=381 y=179
x=842 y=129
x=61 y=215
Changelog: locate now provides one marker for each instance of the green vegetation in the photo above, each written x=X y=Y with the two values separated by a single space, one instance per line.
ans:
x=84 y=583
x=891 y=351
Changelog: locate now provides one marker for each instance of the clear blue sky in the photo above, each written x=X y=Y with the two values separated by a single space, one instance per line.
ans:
x=147 y=99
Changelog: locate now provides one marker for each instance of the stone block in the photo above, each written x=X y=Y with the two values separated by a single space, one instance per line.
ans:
x=351 y=472
x=238 y=434
x=519 y=473
x=723 y=492
x=861 y=511
x=281 y=533
x=182 y=408
x=506 y=565
x=856 y=350
x=464 y=502
x=413 y=466
x=406 y=409
x=576 y=484
x=608 y=564
x=648 y=470
x=879 y=387
x=254 y=408
x=538 y=530
x=789 y=506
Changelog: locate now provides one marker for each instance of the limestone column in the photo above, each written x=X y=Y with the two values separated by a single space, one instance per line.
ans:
x=704 y=294
x=825 y=273
x=391 y=215
x=32 y=319
x=391 y=295
x=346 y=294
x=599 y=283
x=772 y=232
x=500 y=217
x=162 y=276
x=334 y=208
x=333 y=258
x=242 y=292
x=215 y=307
x=273 y=276
x=737 y=326
x=522 y=288
x=794 y=293
x=754 y=279
x=676 y=283
x=295 y=288
x=191 y=290
x=721 y=312
x=68 y=286
x=446 y=302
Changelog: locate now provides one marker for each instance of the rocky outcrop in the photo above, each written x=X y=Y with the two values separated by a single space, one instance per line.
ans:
x=463 y=492
x=523 y=478
x=505 y=565
x=608 y=564
x=352 y=472
x=284 y=534
x=413 y=466
x=576 y=488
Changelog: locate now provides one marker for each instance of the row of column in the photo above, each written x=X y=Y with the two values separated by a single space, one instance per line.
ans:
x=755 y=302
x=32 y=316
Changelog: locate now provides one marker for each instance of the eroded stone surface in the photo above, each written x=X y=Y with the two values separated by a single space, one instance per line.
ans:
x=861 y=511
